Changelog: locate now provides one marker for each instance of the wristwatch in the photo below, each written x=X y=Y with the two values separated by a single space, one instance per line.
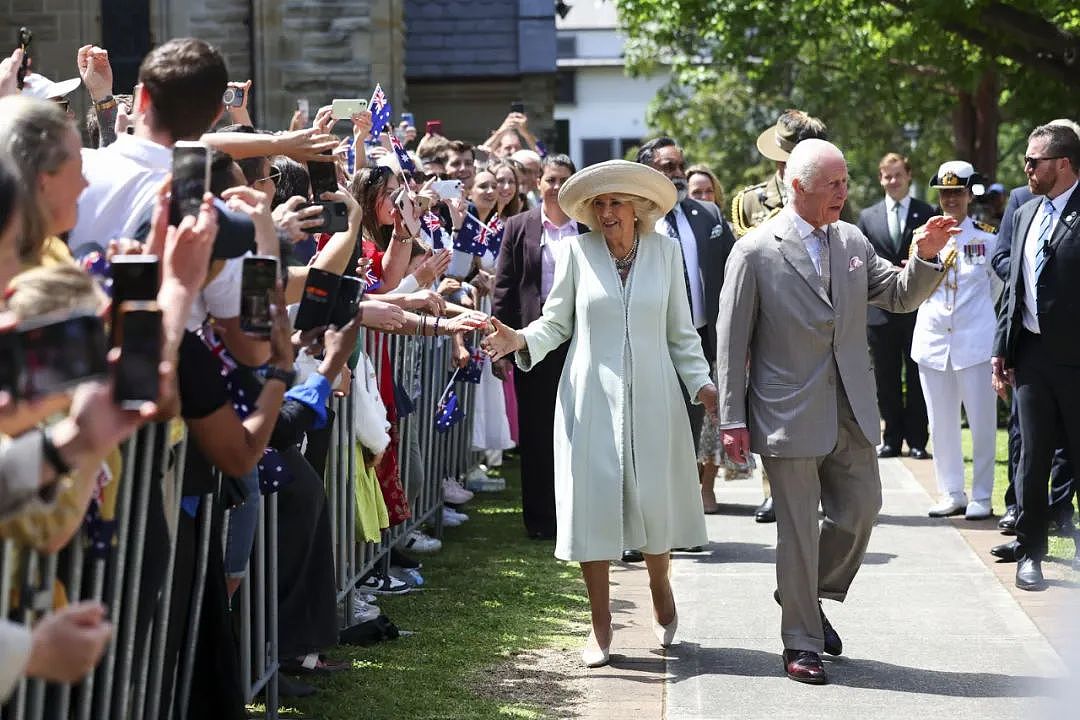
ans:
x=286 y=376
x=106 y=103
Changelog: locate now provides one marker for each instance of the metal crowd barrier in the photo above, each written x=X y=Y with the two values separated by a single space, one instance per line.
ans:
x=444 y=455
x=132 y=679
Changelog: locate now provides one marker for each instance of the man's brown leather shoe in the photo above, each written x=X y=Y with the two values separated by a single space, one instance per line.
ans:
x=804 y=666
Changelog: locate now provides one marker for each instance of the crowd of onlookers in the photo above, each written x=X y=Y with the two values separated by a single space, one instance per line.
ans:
x=222 y=278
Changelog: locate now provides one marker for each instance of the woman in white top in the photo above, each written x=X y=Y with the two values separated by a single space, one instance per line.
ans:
x=953 y=342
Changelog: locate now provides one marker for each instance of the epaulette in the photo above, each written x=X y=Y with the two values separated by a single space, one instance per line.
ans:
x=736 y=210
x=986 y=227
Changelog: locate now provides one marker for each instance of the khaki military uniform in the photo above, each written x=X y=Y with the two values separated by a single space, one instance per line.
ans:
x=754 y=205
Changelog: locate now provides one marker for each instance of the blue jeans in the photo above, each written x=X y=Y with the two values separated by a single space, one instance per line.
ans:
x=242 y=521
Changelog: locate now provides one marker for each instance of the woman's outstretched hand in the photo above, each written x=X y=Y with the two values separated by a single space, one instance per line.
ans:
x=502 y=341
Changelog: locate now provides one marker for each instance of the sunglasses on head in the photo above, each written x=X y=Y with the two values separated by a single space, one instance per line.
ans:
x=274 y=176
x=377 y=174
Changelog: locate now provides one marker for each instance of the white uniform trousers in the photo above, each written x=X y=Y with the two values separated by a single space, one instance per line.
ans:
x=944 y=392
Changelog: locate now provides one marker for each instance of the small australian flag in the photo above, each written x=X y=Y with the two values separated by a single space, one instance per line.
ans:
x=475 y=369
x=449 y=412
x=381 y=111
x=473 y=237
x=433 y=228
x=404 y=160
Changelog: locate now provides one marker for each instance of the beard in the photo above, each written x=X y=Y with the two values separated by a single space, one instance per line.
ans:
x=682 y=189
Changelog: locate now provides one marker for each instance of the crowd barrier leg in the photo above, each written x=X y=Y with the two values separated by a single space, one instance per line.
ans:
x=188 y=663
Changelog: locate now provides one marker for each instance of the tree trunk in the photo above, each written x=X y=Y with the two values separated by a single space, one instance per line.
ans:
x=975 y=124
x=964 y=127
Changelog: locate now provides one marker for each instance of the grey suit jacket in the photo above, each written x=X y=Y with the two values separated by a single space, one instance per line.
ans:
x=800 y=343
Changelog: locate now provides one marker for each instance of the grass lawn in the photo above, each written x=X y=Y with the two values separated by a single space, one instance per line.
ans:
x=489 y=595
x=1061 y=548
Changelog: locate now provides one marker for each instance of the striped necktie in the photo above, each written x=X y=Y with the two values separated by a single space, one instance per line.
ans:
x=1042 y=255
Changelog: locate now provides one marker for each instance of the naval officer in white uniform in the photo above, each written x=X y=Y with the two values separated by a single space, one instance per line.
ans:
x=952 y=344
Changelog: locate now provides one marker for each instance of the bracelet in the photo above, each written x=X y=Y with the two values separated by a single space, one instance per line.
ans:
x=52 y=454
x=107 y=103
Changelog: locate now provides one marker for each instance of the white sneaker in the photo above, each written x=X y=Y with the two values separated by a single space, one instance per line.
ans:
x=454 y=493
x=418 y=542
x=947 y=507
x=449 y=519
x=459 y=517
x=363 y=612
x=978 y=510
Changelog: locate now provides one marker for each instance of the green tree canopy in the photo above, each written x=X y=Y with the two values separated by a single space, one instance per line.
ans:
x=974 y=76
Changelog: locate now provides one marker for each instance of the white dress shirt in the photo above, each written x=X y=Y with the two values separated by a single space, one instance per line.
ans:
x=1030 y=310
x=690 y=261
x=806 y=234
x=891 y=215
x=123 y=182
x=551 y=246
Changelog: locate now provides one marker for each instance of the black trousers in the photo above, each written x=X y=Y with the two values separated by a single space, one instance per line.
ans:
x=1062 y=477
x=536 y=442
x=1048 y=403
x=904 y=413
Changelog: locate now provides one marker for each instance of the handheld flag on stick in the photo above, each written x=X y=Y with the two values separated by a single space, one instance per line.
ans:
x=406 y=163
x=432 y=227
x=448 y=412
x=381 y=111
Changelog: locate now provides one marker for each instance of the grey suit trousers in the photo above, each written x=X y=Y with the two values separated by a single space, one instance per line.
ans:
x=815 y=562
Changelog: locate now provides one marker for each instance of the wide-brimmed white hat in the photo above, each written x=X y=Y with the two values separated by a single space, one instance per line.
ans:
x=617 y=176
x=42 y=87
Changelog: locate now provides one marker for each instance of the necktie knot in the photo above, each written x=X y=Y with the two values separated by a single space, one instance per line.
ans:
x=1048 y=206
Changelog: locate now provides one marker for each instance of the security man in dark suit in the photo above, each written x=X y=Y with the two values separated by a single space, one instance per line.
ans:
x=1062 y=483
x=889 y=226
x=1036 y=348
x=705 y=239
x=524 y=273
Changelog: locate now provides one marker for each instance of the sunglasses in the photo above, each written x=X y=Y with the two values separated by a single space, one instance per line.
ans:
x=377 y=174
x=1034 y=161
x=64 y=104
x=274 y=177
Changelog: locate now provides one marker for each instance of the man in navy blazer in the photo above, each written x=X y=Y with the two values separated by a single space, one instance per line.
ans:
x=524 y=272
x=1035 y=349
x=889 y=225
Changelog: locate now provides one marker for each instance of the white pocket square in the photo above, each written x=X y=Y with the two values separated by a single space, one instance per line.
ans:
x=854 y=264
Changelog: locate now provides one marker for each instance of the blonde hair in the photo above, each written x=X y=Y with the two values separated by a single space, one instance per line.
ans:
x=643 y=208
x=50 y=289
x=32 y=131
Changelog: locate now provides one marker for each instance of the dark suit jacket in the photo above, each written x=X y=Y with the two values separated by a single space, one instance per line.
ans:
x=715 y=238
x=874 y=223
x=1003 y=247
x=1058 y=290
x=516 y=298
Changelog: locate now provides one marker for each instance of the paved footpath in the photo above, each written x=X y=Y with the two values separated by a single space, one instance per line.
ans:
x=929 y=629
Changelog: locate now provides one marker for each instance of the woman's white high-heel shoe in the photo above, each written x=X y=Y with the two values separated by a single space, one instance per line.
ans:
x=665 y=634
x=592 y=655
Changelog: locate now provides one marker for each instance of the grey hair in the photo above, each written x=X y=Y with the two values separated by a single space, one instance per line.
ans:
x=642 y=208
x=805 y=163
x=1066 y=122
x=32 y=134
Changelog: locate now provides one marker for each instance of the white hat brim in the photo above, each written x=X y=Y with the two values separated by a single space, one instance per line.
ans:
x=620 y=177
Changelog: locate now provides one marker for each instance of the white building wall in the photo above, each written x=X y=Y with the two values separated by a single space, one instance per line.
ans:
x=609 y=106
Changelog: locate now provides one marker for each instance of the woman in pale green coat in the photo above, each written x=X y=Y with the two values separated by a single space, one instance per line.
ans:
x=625 y=471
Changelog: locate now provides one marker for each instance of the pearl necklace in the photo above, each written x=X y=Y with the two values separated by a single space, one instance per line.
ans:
x=623 y=264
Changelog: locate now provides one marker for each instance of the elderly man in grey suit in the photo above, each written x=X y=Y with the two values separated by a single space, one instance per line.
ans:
x=794 y=302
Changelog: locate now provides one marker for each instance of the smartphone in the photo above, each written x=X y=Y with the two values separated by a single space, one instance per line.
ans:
x=58 y=351
x=233 y=97
x=10 y=362
x=304 y=107
x=461 y=264
x=407 y=208
x=433 y=127
x=517 y=107
x=345 y=108
x=348 y=300
x=448 y=189
x=190 y=179
x=25 y=37
x=139 y=336
x=257 y=281
x=408 y=118
x=132 y=278
x=323 y=178
x=317 y=303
